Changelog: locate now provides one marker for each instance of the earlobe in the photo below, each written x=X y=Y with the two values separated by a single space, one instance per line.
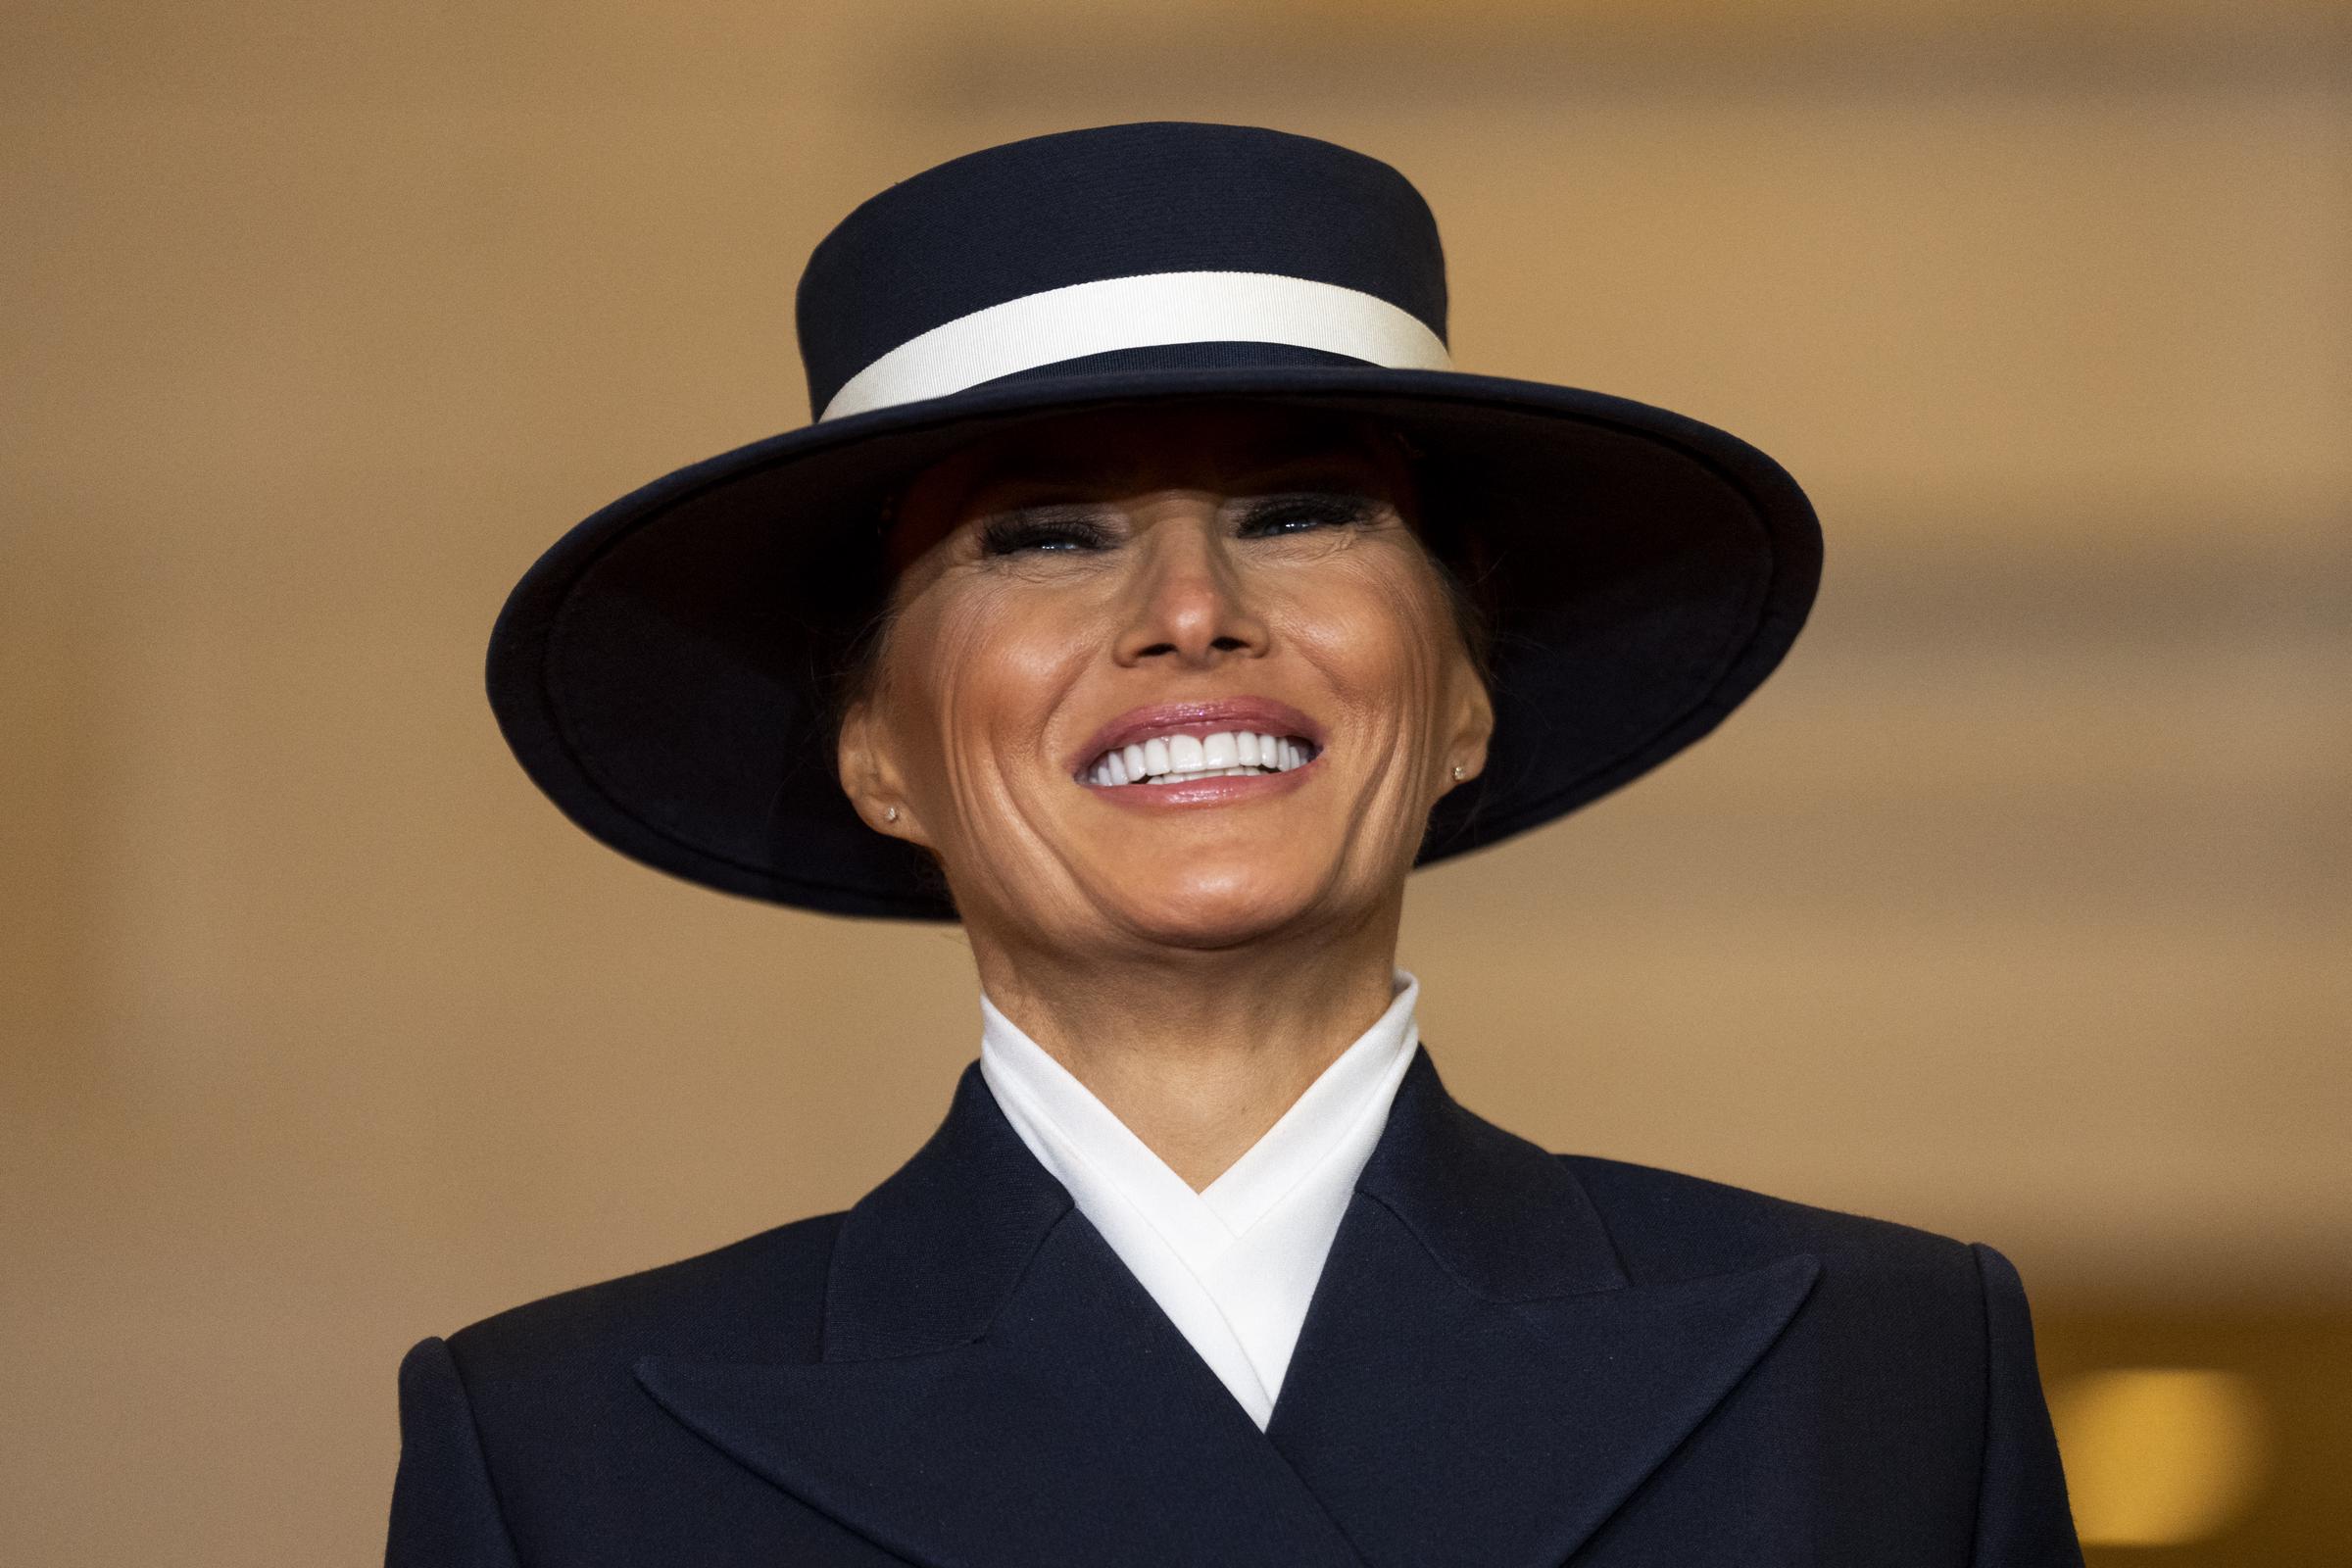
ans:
x=869 y=779
x=1474 y=727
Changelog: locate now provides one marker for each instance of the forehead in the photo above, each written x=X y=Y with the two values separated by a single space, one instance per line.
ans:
x=1129 y=451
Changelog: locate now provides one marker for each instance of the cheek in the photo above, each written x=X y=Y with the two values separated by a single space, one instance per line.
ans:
x=984 y=671
x=1375 y=634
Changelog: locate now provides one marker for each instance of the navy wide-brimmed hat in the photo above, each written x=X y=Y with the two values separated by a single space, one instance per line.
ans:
x=660 y=671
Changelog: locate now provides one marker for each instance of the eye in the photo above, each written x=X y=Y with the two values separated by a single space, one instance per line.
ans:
x=1020 y=533
x=1303 y=513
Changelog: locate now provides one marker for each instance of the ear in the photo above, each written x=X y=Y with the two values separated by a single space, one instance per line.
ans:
x=870 y=776
x=1473 y=725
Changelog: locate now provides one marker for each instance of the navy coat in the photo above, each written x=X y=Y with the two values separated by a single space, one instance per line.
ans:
x=1513 y=1359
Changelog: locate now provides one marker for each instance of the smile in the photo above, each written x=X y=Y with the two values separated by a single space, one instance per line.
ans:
x=1181 y=757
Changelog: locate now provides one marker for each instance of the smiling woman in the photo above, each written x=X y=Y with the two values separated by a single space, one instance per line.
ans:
x=1131 y=601
x=1169 y=694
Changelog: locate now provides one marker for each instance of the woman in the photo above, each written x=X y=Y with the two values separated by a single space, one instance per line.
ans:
x=1150 y=596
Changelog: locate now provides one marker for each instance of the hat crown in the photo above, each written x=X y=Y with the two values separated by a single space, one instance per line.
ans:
x=1115 y=201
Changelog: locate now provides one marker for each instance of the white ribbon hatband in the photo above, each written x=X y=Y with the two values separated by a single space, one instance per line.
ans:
x=1143 y=312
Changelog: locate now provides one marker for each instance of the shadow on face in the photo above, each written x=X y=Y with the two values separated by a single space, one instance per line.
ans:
x=1166 y=677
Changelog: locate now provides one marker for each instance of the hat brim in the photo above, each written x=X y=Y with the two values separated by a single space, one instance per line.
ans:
x=657 y=672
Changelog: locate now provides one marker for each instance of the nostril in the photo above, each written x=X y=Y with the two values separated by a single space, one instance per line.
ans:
x=1228 y=644
x=1155 y=647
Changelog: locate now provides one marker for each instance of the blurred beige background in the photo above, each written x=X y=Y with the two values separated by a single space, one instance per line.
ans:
x=2018 y=906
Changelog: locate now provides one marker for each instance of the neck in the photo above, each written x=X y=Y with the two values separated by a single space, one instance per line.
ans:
x=1198 y=1052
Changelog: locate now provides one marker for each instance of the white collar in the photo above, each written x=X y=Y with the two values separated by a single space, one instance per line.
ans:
x=1232 y=1267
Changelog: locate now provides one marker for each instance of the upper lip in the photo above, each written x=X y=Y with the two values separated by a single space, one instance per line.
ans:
x=1262 y=714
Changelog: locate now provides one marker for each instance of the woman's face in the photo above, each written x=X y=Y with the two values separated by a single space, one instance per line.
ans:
x=1165 y=679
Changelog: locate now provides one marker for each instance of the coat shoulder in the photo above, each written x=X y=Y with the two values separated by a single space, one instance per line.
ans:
x=759 y=1299
x=1668 y=1226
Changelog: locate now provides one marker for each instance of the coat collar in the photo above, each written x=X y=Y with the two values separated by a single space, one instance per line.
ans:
x=1476 y=1381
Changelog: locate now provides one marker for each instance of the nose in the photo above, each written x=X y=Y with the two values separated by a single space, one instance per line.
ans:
x=1189 y=602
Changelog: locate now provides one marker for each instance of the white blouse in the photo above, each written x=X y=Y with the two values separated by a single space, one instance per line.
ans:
x=1234 y=1265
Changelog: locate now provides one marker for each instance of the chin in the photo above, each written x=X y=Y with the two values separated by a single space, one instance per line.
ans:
x=1213 y=910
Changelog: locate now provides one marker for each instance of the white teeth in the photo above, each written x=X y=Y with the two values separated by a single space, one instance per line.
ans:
x=1182 y=759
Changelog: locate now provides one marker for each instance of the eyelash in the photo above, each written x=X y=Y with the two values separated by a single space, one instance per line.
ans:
x=1010 y=536
x=1017 y=534
x=1317 y=511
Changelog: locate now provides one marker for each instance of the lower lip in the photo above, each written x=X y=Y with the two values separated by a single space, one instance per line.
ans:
x=1203 y=792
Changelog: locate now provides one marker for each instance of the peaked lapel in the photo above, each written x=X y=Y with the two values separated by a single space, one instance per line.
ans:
x=996 y=1389
x=1476 y=1381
